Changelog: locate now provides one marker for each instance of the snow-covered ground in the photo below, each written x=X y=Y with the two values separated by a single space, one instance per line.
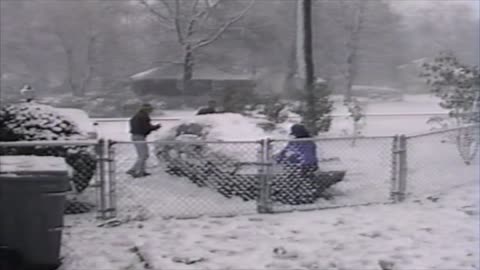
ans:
x=406 y=117
x=436 y=228
x=438 y=232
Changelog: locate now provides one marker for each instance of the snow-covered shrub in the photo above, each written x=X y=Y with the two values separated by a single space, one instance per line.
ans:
x=356 y=115
x=440 y=122
x=35 y=122
x=458 y=85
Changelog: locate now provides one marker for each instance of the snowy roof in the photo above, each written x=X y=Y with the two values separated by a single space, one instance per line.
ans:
x=175 y=71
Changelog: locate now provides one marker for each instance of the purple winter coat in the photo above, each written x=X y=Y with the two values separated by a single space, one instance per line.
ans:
x=302 y=153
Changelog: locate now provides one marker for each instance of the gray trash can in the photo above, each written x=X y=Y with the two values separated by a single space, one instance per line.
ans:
x=32 y=202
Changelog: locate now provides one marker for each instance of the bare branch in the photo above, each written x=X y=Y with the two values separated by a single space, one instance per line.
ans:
x=194 y=19
x=164 y=19
x=223 y=28
x=194 y=6
x=167 y=6
x=178 y=26
x=205 y=14
x=86 y=80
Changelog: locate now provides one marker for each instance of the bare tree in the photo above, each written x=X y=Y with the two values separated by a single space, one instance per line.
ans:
x=195 y=25
x=78 y=76
x=79 y=28
x=353 y=28
x=315 y=97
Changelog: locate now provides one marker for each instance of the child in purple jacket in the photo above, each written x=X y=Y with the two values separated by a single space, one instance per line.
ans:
x=300 y=156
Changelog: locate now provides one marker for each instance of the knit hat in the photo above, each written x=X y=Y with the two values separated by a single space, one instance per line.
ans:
x=299 y=131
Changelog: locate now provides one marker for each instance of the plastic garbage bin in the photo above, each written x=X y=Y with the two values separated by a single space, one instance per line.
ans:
x=32 y=202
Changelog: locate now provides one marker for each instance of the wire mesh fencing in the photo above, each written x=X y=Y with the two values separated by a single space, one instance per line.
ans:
x=194 y=178
x=349 y=171
x=187 y=179
x=439 y=161
x=84 y=163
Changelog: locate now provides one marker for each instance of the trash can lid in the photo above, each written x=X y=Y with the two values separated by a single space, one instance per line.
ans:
x=33 y=165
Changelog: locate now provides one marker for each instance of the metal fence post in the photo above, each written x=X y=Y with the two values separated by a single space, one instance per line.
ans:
x=394 y=167
x=101 y=177
x=403 y=168
x=111 y=179
x=264 y=204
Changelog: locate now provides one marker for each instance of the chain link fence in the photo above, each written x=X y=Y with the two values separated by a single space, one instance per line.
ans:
x=351 y=171
x=439 y=161
x=188 y=179
x=84 y=162
x=194 y=178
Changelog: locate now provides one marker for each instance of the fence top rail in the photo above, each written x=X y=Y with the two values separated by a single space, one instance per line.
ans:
x=346 y=138
x=107 y=120
x=193 y=142
x=49 y=143
x=338 y=138
x=174 y=119
x=440 y=131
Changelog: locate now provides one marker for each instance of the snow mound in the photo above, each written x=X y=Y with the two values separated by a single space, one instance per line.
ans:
x=31 y=121
x=36 y=122
x=221 y=127
x=79 y=117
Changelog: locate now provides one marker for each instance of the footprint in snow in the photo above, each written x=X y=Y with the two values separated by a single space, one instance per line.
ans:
x=282 y=253
x=371 y=235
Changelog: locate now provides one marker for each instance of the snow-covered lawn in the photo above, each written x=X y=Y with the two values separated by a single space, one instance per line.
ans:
x=438 y=232
x=437 y=228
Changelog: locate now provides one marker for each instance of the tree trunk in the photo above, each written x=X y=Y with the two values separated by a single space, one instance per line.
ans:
x=188 y=64
x=349 y=76
x=70 y=79
x=299 y=42
x=352 y=50
x=309 y=66
x=290 y=86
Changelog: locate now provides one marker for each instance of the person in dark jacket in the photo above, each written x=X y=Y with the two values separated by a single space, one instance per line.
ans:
x=140 y=128
x=210 y=109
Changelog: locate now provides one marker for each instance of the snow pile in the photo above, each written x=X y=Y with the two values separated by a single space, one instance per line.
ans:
x=221 y=127
x=36 y=122
x=31 y=121
x=79 y=117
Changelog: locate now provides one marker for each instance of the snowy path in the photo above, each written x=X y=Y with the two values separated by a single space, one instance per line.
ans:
x=435 y=233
